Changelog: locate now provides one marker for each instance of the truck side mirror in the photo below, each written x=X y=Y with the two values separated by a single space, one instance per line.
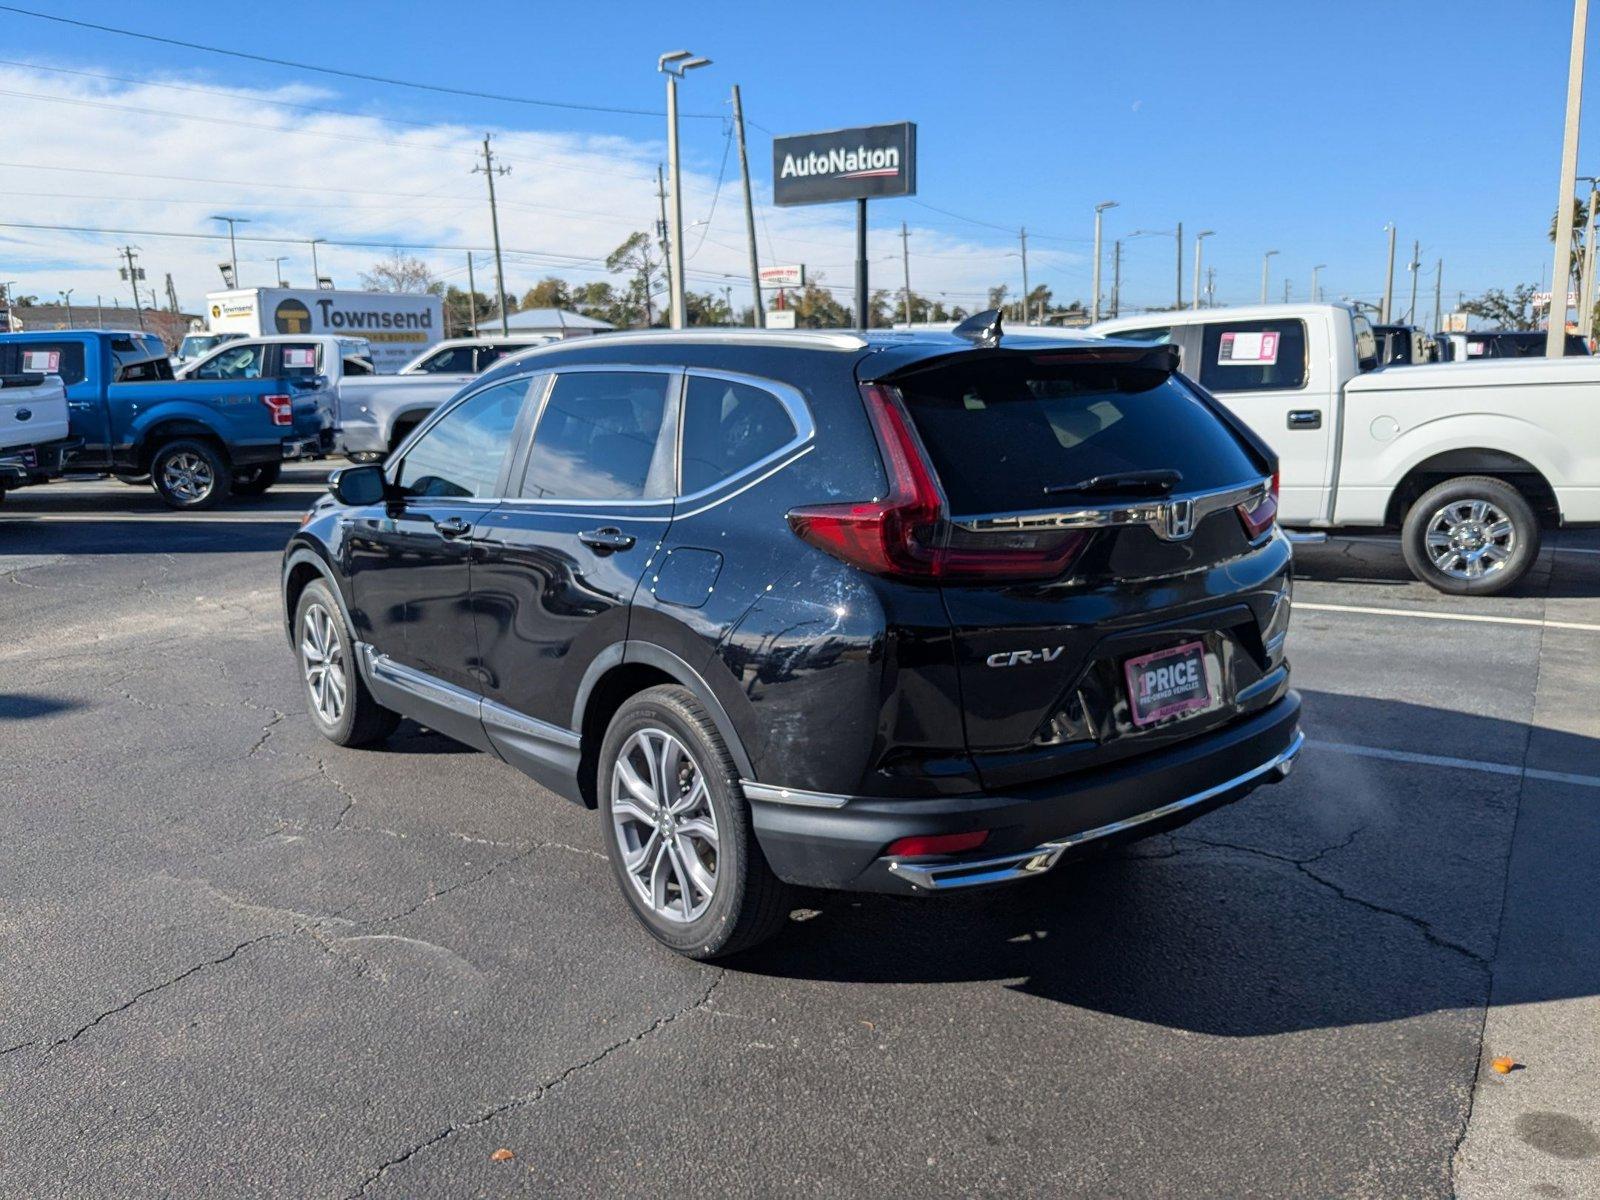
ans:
x=359 y=486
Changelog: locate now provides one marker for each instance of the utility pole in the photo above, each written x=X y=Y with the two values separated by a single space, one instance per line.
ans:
x=1023 y=235
x=99 y=313
x=1116 y=279
x=1388 y=281
x=1286 y=283
x=66 y=299
x=1316 y=292
x=1199 y=238
x=172 y=294
x=1211 y=287
x=1178 y=300
x=666 y=246
x=1438 y=292
x=472 y=295
x=1586 y=299
x=758 y=314
x=905 y=261
x=233 y=247
x=1266 y=260
x=674 y=64
x=132 y=273
x=1555 y=345
x=1414 y=266
x=489 y=171
x=1094 y=305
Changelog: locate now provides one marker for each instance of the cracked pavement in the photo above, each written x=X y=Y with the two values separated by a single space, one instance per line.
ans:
x=236 y=960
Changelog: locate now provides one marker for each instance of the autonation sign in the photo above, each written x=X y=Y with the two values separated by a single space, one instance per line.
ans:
x=845 y=164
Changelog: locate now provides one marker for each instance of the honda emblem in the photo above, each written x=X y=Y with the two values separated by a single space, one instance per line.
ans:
x=1177 y=520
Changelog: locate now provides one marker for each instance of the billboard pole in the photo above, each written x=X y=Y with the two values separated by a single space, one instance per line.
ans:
x=861 y=262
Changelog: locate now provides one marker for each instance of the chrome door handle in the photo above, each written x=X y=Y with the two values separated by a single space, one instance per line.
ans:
x=607 y=539
x=452 y=527
x=1305 y=418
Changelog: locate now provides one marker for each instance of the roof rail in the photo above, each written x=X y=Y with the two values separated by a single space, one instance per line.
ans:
x=802 y=339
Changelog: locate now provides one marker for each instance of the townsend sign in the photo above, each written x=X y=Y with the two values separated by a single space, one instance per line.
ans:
x=845 y=164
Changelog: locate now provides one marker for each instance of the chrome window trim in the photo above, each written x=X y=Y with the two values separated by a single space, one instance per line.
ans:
x=1103 y=516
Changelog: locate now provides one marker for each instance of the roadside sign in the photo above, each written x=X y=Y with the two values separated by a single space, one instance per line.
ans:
x=1456 y=322
x=1542 y=299
x=845 y=164
x=783 y=277
x=780 y=318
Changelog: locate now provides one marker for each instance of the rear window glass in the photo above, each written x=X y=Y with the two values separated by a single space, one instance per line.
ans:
x=1253 y=356
x=727 y=427
x=45 y=358
x=1001 y=433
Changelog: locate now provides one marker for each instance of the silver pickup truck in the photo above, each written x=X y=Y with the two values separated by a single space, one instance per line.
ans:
x=374 y=412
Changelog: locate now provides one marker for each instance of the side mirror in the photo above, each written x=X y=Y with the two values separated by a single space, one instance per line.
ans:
x=357 y=487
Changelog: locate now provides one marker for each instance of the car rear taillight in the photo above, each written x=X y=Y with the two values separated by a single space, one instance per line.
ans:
x=1259 y=514
x=907 y=534
x=937 y=843
x=281 y=408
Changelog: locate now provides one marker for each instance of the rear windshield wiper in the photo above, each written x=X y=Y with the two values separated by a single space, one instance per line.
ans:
x=1140 y=482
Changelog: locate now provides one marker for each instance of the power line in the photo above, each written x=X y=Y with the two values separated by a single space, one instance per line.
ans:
x=727 y=143
x=345 y=74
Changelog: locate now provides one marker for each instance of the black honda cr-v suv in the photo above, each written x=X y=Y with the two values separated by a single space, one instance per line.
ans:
x=887 y=612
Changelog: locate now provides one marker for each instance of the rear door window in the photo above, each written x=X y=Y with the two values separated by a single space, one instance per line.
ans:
x=1005 y=436
x=301 y=360
x=1253 y=356
x=728 y=426
x=232 y=362
x=45 y=358
x=599 y=438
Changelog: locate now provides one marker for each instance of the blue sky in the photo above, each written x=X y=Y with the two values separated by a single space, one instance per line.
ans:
x=1301 y=128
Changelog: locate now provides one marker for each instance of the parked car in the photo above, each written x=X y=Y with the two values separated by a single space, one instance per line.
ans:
x=802 y=608
x=472 y=356
x=1470 y=462
x=1506 y=343
x=195 y=440
x=33 y=425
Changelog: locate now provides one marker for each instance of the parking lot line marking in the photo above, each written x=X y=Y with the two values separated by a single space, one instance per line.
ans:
x=165 y=518
x=1461 y=764
x=1535 y=622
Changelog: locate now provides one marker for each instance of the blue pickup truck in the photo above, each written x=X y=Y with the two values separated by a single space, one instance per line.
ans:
x=196 y=440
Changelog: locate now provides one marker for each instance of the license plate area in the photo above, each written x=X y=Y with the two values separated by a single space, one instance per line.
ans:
x=1167 y=683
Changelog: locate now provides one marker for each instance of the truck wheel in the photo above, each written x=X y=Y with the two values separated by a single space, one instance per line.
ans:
x=1473 y=536
x=678 y=831
x=341 y=707
x=253 y=481
x=190 y=475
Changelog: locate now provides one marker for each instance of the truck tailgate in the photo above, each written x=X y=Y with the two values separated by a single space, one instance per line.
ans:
x=33 y=411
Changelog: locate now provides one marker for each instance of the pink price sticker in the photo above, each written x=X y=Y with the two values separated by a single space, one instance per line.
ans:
x=1248 y=349
x=299 y=358
x=45 y=362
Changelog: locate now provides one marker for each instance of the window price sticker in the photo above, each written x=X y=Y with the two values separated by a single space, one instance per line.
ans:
x=1248 y=349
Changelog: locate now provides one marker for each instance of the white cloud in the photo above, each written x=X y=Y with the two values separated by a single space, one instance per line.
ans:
x=141 y=156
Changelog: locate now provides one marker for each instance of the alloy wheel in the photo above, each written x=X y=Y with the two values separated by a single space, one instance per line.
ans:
x=665 y=826
x=322 y=659
x=188 y=477
x=1468 y=539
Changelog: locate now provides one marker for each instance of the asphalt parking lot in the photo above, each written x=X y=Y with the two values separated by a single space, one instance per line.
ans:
x=236 y=960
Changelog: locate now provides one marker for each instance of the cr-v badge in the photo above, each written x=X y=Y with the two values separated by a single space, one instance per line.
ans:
x=1018 y=658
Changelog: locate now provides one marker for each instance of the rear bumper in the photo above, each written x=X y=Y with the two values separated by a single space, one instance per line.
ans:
x=837 y=842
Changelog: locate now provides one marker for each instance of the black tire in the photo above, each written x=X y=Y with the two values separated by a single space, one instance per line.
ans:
x=747 y=902
x=133 y=480
x=360 y=720
x=1518 y=547
x=254 y=481
x=190 y=475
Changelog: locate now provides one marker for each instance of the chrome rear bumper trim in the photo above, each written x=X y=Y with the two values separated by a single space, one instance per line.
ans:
x=1027 y=863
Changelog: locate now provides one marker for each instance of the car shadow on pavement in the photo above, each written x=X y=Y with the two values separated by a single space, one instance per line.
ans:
x=1358 y=891
x=20 y=706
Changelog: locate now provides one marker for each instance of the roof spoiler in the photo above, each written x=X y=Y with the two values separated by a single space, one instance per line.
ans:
x=981 y=329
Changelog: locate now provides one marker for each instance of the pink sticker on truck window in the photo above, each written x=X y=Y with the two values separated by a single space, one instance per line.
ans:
x=299 y=358
x=1248 y=349
x=45 y=362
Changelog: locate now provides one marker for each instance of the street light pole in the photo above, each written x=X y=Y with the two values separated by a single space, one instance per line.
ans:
x=1094 y=306
x=1388 y=280
x=673 y=65
x=1555 y=344
x=316 y=271
x=66 y=299
x=1316 y=292
x=277 y=269
x=1116 y=279
x=1266 y=261
x=1023 y=234
x=1199 y=239
x=1178 y=299
x=233 y=246
x=1586 y=284
x=1414 y=266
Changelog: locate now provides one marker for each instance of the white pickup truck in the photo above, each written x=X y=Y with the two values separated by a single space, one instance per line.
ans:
x=33 y=417
x=374 y=413
x=1469 y=461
